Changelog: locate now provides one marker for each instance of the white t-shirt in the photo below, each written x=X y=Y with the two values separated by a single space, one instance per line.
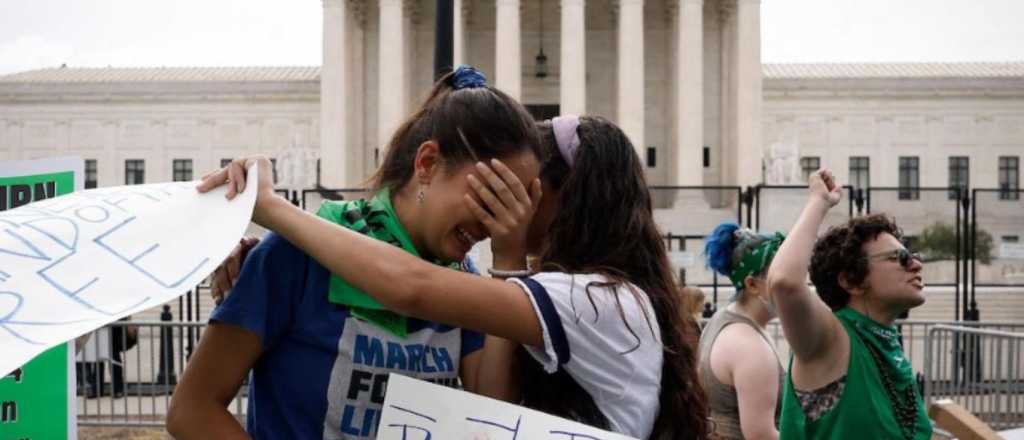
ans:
x=588 y=338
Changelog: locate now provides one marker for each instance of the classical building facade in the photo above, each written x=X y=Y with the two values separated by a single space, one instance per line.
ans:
x=683 y=78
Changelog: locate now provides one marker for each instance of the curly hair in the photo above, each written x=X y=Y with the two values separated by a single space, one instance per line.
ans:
x=840 y=251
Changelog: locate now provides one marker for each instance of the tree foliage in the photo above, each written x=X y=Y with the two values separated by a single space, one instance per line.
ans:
x=938 y=242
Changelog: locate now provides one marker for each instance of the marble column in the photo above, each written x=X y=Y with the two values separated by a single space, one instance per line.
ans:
x=391 y=78
x=573 y=64
x=333 y=117
x=459 y=34
x=508 y=63
x=689 y=80
x=631 y=72
x=747 y=77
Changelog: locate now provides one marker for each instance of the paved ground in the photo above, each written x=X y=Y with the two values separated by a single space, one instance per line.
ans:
x=91 y=433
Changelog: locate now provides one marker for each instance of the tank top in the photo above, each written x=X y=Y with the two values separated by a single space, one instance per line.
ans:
x=723 y=404
x=864 y=411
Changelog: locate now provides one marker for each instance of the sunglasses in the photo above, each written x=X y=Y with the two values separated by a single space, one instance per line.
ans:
x=901 y=255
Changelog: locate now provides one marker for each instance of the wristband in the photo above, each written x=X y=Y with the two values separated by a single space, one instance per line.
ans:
x=508 y=273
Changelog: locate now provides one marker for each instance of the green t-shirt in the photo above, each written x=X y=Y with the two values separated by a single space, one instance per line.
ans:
x=865 y=409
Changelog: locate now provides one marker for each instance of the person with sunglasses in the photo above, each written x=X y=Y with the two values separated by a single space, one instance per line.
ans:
x=848 y=375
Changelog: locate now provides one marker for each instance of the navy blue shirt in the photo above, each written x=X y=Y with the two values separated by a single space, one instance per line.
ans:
x=323 y=373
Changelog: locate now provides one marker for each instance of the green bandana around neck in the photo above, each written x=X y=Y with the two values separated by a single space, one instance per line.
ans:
x=375 y=218
x=895 y=371
x=755 y=260
x=885 y=340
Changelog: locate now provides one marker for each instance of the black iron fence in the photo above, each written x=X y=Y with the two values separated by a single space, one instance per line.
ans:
x=970 y=239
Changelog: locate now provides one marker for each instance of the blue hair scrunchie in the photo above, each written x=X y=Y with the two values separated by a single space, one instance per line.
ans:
x=467 y=77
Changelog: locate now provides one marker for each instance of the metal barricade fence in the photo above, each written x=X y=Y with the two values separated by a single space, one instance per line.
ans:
x=979 y=368
x=127 y=370
x=149 y=369
x=914 y=336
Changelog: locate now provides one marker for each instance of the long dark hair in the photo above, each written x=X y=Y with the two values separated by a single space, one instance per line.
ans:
x=469 y=124
x=606 y=225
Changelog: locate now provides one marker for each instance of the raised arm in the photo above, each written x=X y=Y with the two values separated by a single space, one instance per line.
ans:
x=807 y=322
x=400 y=281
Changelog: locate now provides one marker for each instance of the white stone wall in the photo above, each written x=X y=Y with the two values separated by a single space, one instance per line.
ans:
x=885 y=128
x=157 y=133
x=836 y=121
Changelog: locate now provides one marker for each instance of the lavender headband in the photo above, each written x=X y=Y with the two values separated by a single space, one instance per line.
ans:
x=566 y=137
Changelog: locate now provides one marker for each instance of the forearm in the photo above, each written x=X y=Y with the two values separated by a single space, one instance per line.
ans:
x=498 y=375
x=806 y=321
x=763 y=433
x=383 y=270
x=788 y=271
x=198 y=408
x=404 y=283
x=204 y=420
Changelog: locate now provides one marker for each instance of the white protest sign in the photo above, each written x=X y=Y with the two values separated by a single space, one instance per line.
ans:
x=417 y=410
x=71 y=264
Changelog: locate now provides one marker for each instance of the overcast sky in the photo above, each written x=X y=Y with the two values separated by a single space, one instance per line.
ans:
x=46 y=33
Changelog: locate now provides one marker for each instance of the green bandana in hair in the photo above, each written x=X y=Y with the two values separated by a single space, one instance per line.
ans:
x=374 y=218
x=755 y=260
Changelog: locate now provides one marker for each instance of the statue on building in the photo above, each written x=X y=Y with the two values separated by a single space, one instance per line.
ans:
x=296 y=167
x=782 y=163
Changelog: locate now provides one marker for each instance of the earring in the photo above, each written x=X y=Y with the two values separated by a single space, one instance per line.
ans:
x=420 y=196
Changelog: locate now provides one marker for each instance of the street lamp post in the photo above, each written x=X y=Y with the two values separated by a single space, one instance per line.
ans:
x=444 y=37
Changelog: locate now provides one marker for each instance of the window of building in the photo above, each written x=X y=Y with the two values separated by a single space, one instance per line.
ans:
x=90 y=174
x=134 y=172
x=959 y=176
x=860 y=172
x=182 y=170
x=909 y=179
x=652 y=157
x=225 y=162
x=808 y=165
x=1011 y=239
x=1009 y=178
x=707 y=157
x=273 y=167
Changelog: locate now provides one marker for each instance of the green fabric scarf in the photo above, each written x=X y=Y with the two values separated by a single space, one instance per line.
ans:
x=885 y=339
x=755 y=260
x=374 y=218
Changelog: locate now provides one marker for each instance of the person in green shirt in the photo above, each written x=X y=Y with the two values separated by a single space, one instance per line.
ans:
x=848 y=376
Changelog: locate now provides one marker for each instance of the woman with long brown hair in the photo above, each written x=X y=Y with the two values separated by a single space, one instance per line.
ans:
x=600 y=317
x=309 y=337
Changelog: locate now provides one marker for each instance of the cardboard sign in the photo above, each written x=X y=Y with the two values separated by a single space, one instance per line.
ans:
x=417 y=410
